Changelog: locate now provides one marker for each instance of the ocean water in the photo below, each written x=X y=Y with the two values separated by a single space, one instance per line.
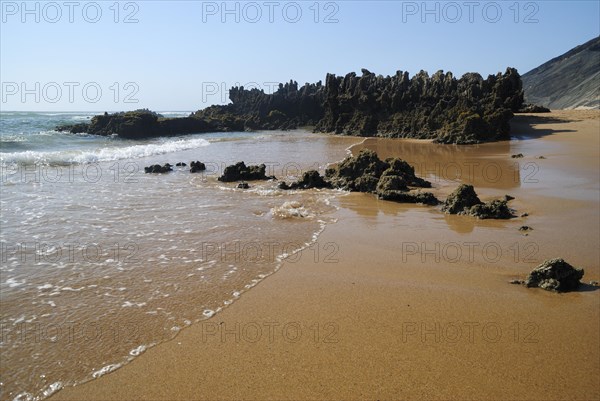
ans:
x=100 y=261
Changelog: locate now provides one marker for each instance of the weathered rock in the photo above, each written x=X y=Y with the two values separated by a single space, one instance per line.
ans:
x=241 y=172
x=465 y=201
x=196 y=167
x=389 y=179
x=461 y=200
x=310 y=179
x=525 y=228
x=517 y=156
x=158 y=169
x=357 y=173
x=243 y=185
x=78 y=128
x=449 y=110
x=555 y=275
x=181 y=164
x=426 y=198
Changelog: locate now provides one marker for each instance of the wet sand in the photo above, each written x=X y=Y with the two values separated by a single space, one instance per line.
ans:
x=402 y=302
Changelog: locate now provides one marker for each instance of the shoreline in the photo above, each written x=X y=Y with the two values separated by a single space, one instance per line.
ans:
x=394 y=321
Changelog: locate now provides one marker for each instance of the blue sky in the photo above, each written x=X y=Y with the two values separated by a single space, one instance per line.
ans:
x=184 y=55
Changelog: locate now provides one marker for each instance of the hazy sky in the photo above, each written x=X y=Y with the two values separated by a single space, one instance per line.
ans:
x=184 y=55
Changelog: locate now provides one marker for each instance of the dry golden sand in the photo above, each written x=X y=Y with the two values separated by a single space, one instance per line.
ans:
x=386 y=320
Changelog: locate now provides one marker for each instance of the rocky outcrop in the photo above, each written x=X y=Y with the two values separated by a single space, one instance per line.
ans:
x=241 y=172
x=465 y=201
x=389 y=180
x=449 y=110
x=555 y=275
x=310 y=179
x=466 y=110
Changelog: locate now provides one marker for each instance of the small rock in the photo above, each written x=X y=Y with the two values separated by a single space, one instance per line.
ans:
x=517 y=282
x=508 y=198
x=181 y=164
x=196 y=167
x=594 y=283
x=555 y=275
x=541 y=157
x=525 y=215
x=525 y=228
x=243 y=185
x=517 y=156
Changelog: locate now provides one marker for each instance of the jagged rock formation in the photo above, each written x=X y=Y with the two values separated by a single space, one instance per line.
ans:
x=465 y=201
x=555 y=275
x=568 y=81
x=241 y=172
x=389 y=180
x=310 y=179
x=440 y=107
x=449 y=110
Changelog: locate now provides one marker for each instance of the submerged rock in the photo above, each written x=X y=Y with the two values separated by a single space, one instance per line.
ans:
x=465 y=201
x=196 y=167
x=517 y=156
x=241 y=172
x=158 y=169
x=555 y=275
x=180 y=164
x=243 y=185
x=310 y=179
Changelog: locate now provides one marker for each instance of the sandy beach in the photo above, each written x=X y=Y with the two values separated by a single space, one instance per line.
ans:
x=401 y=301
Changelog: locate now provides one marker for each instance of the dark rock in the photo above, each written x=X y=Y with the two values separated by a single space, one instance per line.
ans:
x=449 y=110
x=461 y=200
x=525 y=228
x=426 y=198
x=310 y=179
x=243 y=185
x=555 y=275
x=508 y=198
x=357 y=173
x=517 y=281
x=79 y=128
x=389 y=179
x=196 y=167
x=465 y=201
x=158 y=169
x=496 y=209
x=541 y=157
x=180 y=164
x=517 y=156
x=241 y=172
x=525 y=215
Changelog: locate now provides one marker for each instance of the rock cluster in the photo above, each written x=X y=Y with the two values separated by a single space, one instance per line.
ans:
x=241 y=172
x=465 y=201
x=158 y=169
x=555 y=275
x=310 y=179
x=449 y=110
